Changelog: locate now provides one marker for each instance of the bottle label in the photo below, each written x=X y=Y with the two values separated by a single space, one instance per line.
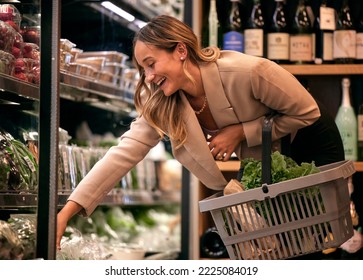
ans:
x=327 y=18
x=328 y=46
x=233 y=41
x=278 y=46
x=301 y=47
x=344 y=44
x=254 y=42
x=359 y=44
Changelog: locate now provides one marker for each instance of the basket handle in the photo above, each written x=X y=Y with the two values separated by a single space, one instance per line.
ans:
x=267 y=148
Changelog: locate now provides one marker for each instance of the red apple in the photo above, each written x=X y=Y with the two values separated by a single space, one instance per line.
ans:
x=13 y=25
x=27 y=48
x=21 y=76
x=19 y=64
x=31 y=36
x=16 y=52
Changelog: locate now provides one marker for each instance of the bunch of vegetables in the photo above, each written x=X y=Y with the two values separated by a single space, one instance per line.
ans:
x=9 y=173
x=282 y=168
x=19 y=168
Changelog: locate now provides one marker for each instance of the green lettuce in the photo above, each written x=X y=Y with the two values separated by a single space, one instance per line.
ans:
x=282 y=168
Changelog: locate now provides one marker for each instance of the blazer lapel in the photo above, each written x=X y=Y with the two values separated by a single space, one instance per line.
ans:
x=202 y=164
x=218 y=103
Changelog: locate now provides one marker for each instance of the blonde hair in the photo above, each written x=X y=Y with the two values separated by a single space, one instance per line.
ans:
x=164 y=112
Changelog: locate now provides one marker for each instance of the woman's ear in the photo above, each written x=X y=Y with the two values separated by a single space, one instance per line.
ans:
x=181 y=49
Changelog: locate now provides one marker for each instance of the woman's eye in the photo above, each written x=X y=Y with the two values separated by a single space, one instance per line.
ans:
x=151 y=65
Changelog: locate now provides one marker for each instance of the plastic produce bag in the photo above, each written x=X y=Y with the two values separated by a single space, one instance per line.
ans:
x=354 y=244
x=9 y=172
x=10 y=244
x=27 y=164
x=23 y=166
x=77 y=247
x=25 y=227
x=249 y=219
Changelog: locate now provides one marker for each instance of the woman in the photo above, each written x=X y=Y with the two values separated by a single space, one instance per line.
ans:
x=209 y=103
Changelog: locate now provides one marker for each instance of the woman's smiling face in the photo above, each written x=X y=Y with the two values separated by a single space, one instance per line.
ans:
x=162 y=68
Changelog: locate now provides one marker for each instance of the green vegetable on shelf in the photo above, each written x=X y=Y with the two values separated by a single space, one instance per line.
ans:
x=142 y=216
x=122 y=222
x=20 y=169
x=27 y=164
x=9 y=173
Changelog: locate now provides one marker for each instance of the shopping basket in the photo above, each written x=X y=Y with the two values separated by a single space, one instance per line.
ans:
x=287 y=219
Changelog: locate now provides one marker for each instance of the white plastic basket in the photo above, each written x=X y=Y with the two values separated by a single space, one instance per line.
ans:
x=286 y=219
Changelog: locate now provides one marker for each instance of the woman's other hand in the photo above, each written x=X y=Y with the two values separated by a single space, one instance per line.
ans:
x=225 y=142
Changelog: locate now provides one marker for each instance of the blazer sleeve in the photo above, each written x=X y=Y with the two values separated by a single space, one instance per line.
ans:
x=132 y=148
x=279 y=90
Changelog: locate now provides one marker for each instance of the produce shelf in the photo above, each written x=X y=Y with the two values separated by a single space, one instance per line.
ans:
x=115 y=197
x=72 y=87
x=324 y=69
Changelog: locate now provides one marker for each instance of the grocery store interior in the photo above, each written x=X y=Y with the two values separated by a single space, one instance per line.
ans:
x=67 y=84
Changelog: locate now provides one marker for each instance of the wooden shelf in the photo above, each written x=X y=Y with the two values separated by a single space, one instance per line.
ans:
x=325 y=69
x=233 y=165
x=358 y=166
x=226 y=166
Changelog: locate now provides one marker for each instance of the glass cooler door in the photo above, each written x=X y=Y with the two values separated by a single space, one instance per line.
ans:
x=28 y=128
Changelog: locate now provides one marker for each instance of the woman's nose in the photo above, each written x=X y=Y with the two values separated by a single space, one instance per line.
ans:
x=149 y=77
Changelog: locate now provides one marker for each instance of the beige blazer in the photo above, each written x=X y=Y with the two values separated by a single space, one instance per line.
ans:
x=239 y=89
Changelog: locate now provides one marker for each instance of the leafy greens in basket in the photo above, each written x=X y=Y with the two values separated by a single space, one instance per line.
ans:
x=282 y=168
x=299 y=203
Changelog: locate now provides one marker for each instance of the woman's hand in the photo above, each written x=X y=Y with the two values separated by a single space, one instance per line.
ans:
x=61 y=227
x=224 y=143
x=69 y=210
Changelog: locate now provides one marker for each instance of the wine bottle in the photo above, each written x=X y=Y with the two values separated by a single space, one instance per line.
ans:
x=324 y=26
x=254 y=32
x=278 y=35
x=344 y=48
x=213 y=24
x=347 y=122
x=301 y=36
x=360 y=133
x=233 y=35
